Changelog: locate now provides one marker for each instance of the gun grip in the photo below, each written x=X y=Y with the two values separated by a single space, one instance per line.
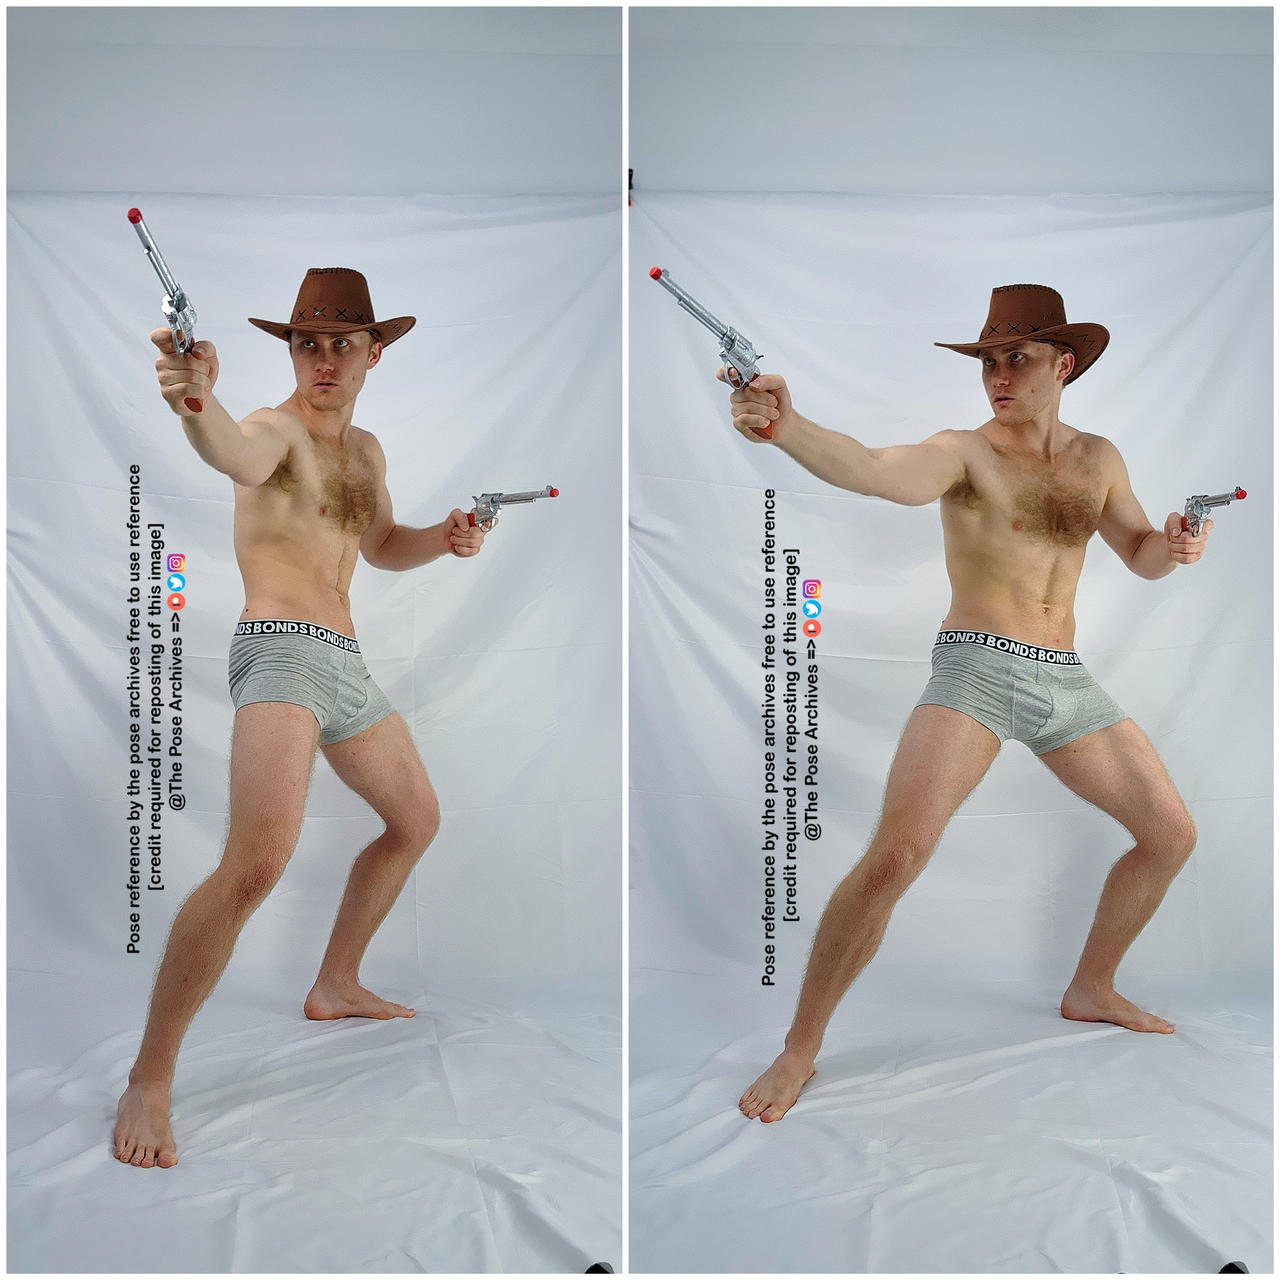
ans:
x=765 y=433
x=471 y=519
x=196 y=406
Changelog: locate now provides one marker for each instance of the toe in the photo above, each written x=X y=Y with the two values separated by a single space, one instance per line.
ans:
x=167 y=1159
x=148 y=1160
x=773 y=1113
x=136 y=1158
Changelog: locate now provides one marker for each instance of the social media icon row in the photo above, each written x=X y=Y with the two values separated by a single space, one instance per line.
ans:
x=177 y=565
x=811 y=589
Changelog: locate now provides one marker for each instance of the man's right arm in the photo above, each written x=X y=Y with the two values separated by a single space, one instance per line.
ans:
x=247 y=451
x=912 y=474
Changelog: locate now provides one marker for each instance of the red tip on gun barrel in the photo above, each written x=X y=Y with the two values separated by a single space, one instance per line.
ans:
x=655 y=272
x=555 y=493
x=135 y=216
x=1240 y=493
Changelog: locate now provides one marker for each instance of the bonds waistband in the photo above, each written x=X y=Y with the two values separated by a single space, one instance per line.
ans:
x=285 y=627
x=1063 y=657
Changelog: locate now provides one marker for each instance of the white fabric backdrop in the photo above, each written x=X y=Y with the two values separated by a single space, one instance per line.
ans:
x=487 y=1136
x=845 y=296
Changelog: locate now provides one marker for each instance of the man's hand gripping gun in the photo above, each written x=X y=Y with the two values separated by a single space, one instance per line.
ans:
x=485 y=513
x=1198 y=507
x=741 y=359
x=176 y=306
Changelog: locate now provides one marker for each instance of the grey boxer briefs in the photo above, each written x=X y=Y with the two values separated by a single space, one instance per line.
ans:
x=1043 y=697
x=280 y=660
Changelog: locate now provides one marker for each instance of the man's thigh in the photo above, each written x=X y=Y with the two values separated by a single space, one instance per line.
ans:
x=382 y=766
x=1118 y=770
x=942 y=755
x=273 y=746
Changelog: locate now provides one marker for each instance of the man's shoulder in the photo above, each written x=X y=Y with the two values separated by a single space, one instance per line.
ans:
x=958 y=441
x=1100 y=449
x=368 y=444
x=283 y=420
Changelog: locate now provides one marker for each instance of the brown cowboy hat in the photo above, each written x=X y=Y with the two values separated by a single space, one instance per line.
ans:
x=336 y=300
x=1036 y=313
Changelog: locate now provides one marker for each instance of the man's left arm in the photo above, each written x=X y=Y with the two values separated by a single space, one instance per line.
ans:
x=387 y=545
x=1148 y=551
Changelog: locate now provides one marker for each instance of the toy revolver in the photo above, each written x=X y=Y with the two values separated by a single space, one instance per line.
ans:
x=176 y=306
x=741 y=359
x=1198 y=506
x=488 y=505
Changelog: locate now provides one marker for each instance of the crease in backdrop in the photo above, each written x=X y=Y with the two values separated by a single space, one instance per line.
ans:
x=957 y=1122
x=484 y=1134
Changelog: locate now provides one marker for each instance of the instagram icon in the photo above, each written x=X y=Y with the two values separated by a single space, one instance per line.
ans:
x=812 y=588
x=178 y=562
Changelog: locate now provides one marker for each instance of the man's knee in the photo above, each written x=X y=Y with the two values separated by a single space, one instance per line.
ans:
x=250 y=880
x=254 y=860
x=1183 y=838
x=417 y=819
x=1170 y=837
x=898 y=853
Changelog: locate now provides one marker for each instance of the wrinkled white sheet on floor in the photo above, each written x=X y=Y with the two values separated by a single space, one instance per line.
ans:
x=845 y=296
x=954 y=1125
x=480 y=1135
x=483 y=1134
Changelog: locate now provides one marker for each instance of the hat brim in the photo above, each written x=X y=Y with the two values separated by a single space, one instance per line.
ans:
x=1087 y=343
x=388 y=330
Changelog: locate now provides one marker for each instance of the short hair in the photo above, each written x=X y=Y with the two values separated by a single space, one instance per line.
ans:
x=1060 y=347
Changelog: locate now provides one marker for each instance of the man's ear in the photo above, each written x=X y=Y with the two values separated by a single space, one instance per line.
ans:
x=1070 y=355
x=375 y=353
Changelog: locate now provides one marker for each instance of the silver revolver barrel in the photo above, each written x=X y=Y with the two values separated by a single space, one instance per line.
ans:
x=176 y=306
x=737 y=353
x=1199 y=505
x=488 y=505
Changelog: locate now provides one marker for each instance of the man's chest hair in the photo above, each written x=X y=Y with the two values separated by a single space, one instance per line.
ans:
x=1059 y=502
x=338 y=480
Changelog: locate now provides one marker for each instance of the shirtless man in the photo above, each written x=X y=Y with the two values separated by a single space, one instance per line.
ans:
x=310 y=491
x=1020 y=497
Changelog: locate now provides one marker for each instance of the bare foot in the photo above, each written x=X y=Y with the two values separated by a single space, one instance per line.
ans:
x=143 y=1136
x=1081 y=1004
x=328 y=1000
x=775 y=1093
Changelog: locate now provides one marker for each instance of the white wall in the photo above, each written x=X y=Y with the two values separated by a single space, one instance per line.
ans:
x=315 y=101
x=961 y=101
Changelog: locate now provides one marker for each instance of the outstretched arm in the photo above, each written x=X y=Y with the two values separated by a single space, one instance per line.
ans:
x=387 y=545
x=1147 y=551
x=910 y=474
x=249 y=451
